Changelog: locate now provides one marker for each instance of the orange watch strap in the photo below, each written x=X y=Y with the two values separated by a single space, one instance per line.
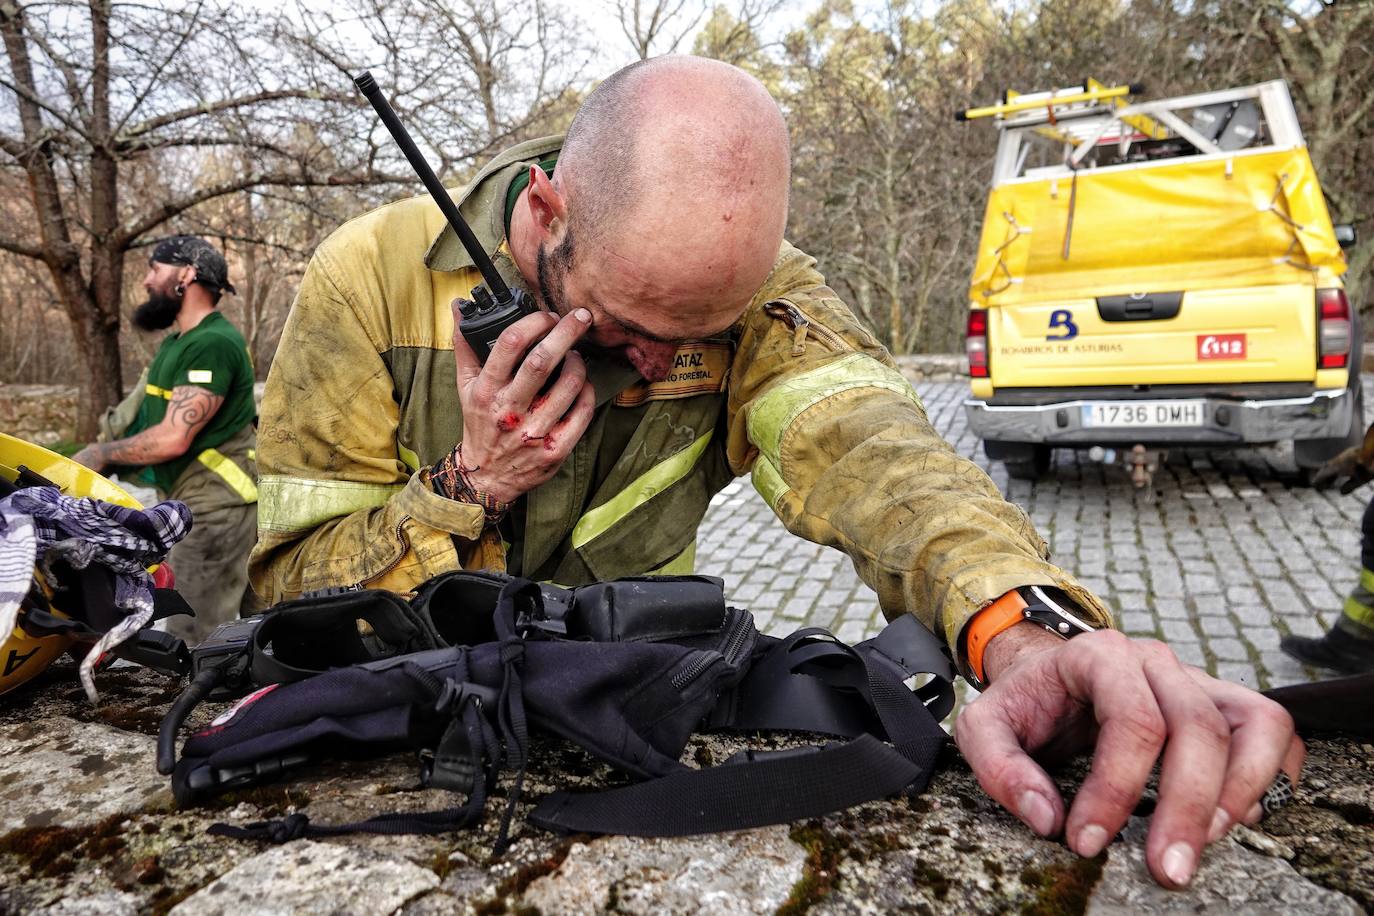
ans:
x=1003 y=613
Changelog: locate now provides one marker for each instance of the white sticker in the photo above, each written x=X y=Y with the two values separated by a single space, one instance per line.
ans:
x=200 y=376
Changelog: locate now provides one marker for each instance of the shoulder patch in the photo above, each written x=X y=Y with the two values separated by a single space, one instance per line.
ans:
x=200 y=376
x=698 y=368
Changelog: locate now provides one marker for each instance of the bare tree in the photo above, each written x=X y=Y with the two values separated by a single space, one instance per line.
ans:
x=131 y=120
x=102 y=86
x=658 y=26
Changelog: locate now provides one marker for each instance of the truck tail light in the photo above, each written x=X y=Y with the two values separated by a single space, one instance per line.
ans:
x=976 y=343
x=1333 y=329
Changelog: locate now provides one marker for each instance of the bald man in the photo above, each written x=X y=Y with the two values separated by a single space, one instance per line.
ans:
x=697 y=345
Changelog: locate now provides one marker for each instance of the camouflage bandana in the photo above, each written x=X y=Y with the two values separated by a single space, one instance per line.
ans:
x=211 y=270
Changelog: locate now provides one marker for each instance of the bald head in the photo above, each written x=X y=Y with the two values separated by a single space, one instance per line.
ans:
x=677 y=170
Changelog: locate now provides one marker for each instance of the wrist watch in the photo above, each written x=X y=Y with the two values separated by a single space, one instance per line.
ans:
x=1030 y=603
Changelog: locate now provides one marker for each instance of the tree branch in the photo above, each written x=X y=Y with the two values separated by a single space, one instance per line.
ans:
x=125 y=238
x=14 y=246
x=208 y=108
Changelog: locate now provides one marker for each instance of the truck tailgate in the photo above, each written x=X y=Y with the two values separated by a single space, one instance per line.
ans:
x=1252 y=334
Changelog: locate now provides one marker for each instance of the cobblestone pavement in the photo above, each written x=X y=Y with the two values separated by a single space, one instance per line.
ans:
x=1223 y=558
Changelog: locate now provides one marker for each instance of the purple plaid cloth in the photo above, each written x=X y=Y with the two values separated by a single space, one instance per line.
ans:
x=40 y=525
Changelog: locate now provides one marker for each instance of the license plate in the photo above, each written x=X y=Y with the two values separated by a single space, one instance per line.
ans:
x=1143 y=413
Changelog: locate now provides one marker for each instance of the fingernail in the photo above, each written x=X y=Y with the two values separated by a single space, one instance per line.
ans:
x=1221 y=822
x=1037 y=811
x=1179 y=862
x=582 y=315
x=1253 y=815
x=1092 y=839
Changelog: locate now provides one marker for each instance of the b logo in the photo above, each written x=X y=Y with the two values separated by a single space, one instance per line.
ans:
x=1062 y=318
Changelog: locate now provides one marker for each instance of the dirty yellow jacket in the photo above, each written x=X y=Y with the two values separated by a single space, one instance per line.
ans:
x=361 y=400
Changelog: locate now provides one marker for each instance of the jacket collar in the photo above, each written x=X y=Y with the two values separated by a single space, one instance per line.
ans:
x=482 y=204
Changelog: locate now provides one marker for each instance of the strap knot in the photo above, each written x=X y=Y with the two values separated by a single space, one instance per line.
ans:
x=291 y=827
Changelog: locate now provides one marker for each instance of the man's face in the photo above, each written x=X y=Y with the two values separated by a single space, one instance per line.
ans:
x=164 y=302
x=637 y=316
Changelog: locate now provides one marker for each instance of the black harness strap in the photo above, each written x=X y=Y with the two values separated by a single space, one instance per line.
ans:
x=759 y=789
x=753 y=789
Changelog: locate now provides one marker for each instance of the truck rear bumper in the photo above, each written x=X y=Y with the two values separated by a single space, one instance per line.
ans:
x=1226 y=421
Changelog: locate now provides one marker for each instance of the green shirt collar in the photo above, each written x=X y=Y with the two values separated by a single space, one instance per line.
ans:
x=482 y=205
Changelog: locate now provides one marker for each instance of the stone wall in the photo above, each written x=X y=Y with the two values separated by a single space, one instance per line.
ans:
x=44 y=414
x=87 y=826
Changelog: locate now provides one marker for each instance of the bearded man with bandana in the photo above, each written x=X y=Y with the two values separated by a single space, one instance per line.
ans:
x=187 y=428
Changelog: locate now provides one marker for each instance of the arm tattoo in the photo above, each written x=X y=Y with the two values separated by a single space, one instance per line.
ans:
x=191 y=408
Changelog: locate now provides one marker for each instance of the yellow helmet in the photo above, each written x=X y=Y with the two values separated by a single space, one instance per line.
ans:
x=24 y=656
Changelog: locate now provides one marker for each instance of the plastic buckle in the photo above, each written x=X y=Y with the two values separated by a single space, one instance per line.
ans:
x=455 y=693
x=452 y=774
x=207 y=778
x=156 y=649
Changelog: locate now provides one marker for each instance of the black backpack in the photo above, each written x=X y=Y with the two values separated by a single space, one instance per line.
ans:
x=626 y=669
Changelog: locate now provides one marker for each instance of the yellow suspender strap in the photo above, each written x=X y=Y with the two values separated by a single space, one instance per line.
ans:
x=230 y=473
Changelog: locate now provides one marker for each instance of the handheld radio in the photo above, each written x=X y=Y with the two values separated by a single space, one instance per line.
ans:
x=494 y=305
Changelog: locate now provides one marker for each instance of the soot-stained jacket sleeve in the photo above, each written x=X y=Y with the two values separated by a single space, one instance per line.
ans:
x=337 y=504
x=839 y=444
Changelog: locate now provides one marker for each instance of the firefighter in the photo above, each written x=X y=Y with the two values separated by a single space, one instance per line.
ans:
x=188 y=426
x=694 y=344
x=1348 y=647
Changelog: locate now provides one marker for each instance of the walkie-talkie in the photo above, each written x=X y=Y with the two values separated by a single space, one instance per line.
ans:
x=494 y=305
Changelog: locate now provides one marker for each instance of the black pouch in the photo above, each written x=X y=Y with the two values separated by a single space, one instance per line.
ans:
x=626 y=670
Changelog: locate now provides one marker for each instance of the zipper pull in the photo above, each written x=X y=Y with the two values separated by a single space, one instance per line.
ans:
x=794 y=319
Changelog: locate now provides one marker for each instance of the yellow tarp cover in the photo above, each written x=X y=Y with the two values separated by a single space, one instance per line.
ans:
x=1245 y=220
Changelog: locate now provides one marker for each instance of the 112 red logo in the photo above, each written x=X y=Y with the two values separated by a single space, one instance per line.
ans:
x=1221 y=346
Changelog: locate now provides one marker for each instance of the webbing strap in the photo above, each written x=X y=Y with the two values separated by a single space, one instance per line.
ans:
x=230 y=473
x=773 y=788
x=765 y=789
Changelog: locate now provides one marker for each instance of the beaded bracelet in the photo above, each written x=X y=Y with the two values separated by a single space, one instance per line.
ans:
x=449 y=478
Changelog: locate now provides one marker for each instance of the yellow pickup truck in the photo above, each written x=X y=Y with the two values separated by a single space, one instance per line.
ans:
x=1160 y=274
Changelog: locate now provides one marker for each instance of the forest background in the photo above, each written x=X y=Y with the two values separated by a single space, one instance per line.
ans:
x=124 y=121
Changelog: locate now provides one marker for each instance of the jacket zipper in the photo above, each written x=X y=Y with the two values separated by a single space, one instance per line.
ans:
x=405 y=549
x=740 y=629
x=796 y=319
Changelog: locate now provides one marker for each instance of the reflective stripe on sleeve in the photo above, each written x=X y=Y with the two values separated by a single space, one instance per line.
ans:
x=772 y=414
x=408 y=457
x=230 y=473
x=300 y=503
x=652 y=482
x=158 y=392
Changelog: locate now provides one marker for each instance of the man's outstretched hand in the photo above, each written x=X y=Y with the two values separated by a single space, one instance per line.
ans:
x=1131 y=701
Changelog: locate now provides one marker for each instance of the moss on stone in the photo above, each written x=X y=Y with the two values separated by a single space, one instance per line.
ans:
x=51 y=852
x=821 y=871
x=1062 y=890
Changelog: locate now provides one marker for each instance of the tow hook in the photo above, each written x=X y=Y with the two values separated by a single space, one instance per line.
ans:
x=1140 y=462
x=1143 y=464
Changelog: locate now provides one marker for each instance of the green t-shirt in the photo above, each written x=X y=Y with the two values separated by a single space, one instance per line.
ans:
x=213 y=356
